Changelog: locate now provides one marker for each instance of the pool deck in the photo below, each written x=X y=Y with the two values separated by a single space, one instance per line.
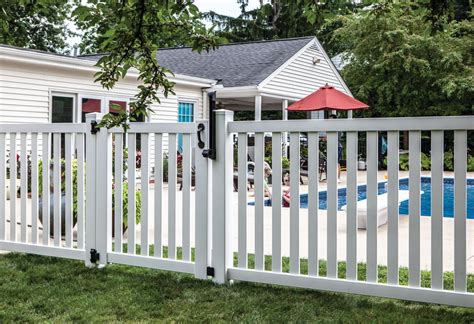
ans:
x=425 y=228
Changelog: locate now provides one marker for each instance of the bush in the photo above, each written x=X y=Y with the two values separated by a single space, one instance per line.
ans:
x=425 y=162
x=403 y=161
x=448 y=161
x=470 y=164
x=138 y=204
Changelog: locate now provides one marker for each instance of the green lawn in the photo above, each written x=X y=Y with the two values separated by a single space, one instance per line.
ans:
x=34 y=288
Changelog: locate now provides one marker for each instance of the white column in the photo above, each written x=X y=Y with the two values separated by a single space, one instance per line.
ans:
x=284 y=116
x=258 y=107
x=222 y=191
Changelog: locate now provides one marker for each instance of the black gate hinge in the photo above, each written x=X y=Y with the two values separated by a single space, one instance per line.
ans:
x=95 y=256
x=94 y=127
x=210 y=271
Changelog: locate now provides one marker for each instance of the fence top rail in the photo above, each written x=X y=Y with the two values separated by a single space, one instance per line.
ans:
x=44 y=128
x=359 y=124
x=182 y=128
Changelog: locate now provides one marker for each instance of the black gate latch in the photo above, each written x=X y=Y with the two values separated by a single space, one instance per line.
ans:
x=94 y=127
x=95 y=256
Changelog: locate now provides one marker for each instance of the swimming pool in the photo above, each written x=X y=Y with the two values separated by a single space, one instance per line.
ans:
x=425 y=197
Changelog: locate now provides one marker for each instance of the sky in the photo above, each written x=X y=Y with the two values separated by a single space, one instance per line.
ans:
x=224 y=7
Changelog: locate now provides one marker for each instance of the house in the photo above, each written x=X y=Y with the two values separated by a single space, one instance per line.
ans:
x=256 y=76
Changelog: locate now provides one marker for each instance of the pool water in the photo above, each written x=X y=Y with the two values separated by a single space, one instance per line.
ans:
x=425 y=197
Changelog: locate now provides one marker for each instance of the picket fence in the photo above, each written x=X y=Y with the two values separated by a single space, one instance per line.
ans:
x=88 y=182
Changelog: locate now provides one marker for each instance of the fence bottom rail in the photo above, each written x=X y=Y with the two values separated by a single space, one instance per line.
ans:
x=53 y=251
x=418 y=294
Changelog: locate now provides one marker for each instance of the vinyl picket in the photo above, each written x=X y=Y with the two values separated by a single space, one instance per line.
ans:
x=69 y=190
x=259 y=197
x=158 y=195
x=57 y=188
x=437 y=166
x=186 y=180
x=145 y=192
x=242 y=200
x=131 y=208
x=24 y=185
x=80 y=141
x=294 y=202
x=172 y=178
x=34 y=187
x=392 y=208
x=414 y=209
x=3 y=177
x=460 y=160
x=372 y=221
x=351 y=216
x=118 y=195
x=332 y=147
x=313 y=203
x=45 y=190
x=276 y=200
x=13 y=187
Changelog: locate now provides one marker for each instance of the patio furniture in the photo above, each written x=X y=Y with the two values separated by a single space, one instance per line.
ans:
x=382 y=204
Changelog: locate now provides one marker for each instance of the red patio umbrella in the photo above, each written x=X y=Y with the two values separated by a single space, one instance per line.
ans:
x=327 y=98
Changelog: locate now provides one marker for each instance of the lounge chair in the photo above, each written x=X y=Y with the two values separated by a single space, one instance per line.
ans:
x=382 y=205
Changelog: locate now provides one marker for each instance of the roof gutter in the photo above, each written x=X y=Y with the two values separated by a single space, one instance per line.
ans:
x=70 y=62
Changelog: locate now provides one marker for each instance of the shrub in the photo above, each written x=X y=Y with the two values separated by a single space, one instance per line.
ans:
x=138 y=204
x=425 y=162
x=403 y=161
x=470 y=164
x=448 y=161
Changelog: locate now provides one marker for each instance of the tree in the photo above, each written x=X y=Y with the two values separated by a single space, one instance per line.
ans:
x=34 y=24
x=130 y=32
x=401 y=68
x=277 y=19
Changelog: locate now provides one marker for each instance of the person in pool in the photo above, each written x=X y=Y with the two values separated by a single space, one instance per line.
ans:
x=286 y=190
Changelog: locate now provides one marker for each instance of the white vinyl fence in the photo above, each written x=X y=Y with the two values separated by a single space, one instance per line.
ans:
x=160 y=210
x=331 y=281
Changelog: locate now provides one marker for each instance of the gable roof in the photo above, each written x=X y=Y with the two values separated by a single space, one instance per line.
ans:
x=234 y=65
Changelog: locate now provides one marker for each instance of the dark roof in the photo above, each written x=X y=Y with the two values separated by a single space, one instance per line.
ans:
x=234 y=65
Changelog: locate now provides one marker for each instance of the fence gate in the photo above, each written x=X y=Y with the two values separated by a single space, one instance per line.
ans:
x=137 y=220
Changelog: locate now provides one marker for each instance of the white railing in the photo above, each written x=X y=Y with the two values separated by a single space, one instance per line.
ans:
x=25 y=223
x=301 y=227
x=195 y=228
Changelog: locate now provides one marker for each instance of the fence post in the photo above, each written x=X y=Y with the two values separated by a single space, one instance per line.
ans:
x=202 y=209
x=222 y=172
x=98 y=227
x=89 y=235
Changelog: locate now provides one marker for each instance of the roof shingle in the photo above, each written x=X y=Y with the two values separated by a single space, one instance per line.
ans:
x=234 y=65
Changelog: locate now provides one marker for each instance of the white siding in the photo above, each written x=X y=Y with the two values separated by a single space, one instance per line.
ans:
x=25 y=92
x=301 y=77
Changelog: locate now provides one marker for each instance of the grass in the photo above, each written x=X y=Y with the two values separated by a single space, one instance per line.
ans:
x=35 y=288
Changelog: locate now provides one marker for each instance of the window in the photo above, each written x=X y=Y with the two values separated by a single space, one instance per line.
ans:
x=90 y=105
x=185 y=112
x=185 y=115
x=62 y=108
